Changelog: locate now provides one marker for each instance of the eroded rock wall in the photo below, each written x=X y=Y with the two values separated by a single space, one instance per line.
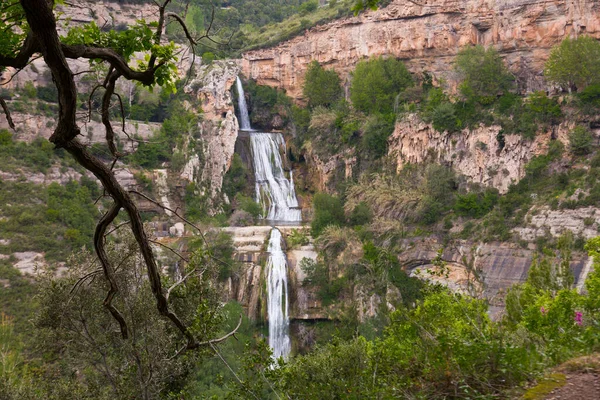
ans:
x=476 y=153
x=427 y=35
x=218 y=126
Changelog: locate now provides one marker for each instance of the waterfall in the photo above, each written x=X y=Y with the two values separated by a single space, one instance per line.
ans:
x=277 y=197
x=277 y=290
x=273 y=191
x=244 y=118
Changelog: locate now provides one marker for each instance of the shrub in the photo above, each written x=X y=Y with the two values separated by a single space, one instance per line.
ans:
x=590 y=95
x=443 y=118
x=321 y=87
x=208 y=57
x=5 y=137
x=29 y=90
x=377 y=82
x=361 y=215
x=580 y=141
x=543 y=108
x=298 y=238
x=48 y=93
x=377 y=131
x=574 y=63
x=476 y=205
x=484 y=74
x=236 y=178
x=328 y=210
x=308 y=7
x=249 y=205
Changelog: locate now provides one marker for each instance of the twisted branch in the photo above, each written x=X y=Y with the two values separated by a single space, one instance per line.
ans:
x=109 y=272
x=7 y=113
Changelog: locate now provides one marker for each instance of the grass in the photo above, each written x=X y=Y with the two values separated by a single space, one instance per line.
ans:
x=545 y=386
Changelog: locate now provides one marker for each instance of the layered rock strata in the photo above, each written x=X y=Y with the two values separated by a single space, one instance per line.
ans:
x=427 y=35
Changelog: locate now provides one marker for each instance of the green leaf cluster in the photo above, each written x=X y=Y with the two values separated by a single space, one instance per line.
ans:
x=376 y=83
x=484 y=74
x=574 y=63
x=321 y=87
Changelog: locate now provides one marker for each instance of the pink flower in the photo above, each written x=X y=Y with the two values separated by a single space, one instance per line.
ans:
x=578 y=318
x=543 y=310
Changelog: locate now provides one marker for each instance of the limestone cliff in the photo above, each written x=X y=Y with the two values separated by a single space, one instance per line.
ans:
x=475 y=153
x=218 y=126
x=427 y=35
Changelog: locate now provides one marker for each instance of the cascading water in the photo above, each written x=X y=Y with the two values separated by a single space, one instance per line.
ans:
x=277 y=196
x=274 y=192
x=244 y=118
x=277 y=307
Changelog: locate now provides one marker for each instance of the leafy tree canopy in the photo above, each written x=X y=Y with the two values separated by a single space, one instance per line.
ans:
x=575 y=63
x=377 y=82
x=484 y=74
x=321 y=87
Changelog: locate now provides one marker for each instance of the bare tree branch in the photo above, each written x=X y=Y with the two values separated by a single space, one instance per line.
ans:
x=43 y=26
x=109 y=272
x=171 y=250
x=7 y=113
x=111 y=79
x=115 y=59
x=180 y=281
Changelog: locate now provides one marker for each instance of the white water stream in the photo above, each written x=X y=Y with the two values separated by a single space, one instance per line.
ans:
x=277 y=197
x=273 y=191
x=244 y=118
x=277 y=306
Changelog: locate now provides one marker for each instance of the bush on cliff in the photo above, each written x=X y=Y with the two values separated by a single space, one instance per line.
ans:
x=484 y=74
x=574 y=63
x=321 y=87
x=328 y=210
x=377 y=82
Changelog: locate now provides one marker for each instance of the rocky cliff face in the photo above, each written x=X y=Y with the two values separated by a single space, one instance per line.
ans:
x=218 y=126
x=427 y=35
x=475 y=153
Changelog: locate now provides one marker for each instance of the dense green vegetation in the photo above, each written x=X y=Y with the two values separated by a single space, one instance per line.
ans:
x=53 y=219
x=574 y=63
x=445 y=346
x=321 y=87
x=376 y=83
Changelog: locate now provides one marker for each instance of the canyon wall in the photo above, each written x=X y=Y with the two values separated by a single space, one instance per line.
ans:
x=218 y=126
x=427 y=35
x=475 y=153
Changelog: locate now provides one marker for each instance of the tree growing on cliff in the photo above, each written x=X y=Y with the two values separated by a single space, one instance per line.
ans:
x=321 y=87
x=484 y=75
x=574 y=63
x=377 y=82
x=29 y=31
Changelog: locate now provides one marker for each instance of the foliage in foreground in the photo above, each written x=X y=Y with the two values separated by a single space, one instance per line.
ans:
x=79 y=349
x=447 y=347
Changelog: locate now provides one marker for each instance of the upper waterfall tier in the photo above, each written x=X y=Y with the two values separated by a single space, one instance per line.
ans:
x=274 y=192
x=244 y=118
